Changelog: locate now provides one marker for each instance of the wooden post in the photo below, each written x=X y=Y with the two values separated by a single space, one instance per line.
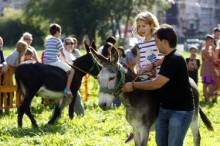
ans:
x=86 y=87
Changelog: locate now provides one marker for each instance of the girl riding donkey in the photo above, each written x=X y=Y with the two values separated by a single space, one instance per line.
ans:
x=141 y=105
x=148 y=55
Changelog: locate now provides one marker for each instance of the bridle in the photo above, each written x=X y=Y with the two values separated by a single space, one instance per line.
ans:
x=115 y=91
x=95 y=65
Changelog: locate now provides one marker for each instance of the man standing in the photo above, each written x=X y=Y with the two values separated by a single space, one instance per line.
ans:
x=176 y=97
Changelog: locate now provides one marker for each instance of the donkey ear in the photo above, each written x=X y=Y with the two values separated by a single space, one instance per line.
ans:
x=114 y=56
x=93 y=45
x=86 y=46
x=101 y=59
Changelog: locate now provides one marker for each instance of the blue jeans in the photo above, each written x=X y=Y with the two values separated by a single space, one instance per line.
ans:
x=171 y=127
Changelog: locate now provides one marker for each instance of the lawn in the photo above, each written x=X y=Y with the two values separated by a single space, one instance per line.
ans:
x=97 y=127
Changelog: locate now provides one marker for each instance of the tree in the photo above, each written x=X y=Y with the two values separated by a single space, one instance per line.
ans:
x=86 y=17
x=13 y=25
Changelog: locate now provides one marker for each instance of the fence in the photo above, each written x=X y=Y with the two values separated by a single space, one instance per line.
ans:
x=7 y=89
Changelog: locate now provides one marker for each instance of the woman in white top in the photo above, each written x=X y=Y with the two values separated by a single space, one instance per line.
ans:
x=69 y=55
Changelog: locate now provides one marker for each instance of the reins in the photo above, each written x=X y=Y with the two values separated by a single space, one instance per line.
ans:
x=95 y=64
x=153 y=75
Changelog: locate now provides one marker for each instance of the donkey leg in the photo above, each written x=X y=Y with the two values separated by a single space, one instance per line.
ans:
x=141 y=136
x=136 y=138
x=194 y=126
x=25 y=108
x=28 y=113
x=71 y=107
x=56 y=114
x=58 y=109
x=21 y=114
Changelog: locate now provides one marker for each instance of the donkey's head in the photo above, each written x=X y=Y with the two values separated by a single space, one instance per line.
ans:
x=110 y=78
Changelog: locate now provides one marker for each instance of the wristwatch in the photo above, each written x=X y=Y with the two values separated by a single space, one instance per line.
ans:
x=154 y=66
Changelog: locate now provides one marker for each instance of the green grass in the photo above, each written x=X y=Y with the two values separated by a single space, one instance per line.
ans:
x=97 y=127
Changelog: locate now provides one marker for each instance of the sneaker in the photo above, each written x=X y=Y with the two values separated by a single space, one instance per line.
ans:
x=130 y=137
x=68 y=92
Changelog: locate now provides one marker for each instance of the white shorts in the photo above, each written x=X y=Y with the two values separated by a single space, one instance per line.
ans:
x=63 y=65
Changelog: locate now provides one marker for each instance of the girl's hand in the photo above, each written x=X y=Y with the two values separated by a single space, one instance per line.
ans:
x=127 y=87
x=139 y=69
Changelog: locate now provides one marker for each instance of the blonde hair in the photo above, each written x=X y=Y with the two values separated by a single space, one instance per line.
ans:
x=26 y=34
x=148 y=18
x=21 y=46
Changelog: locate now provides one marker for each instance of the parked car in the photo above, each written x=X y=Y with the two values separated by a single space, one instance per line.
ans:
x=193 y=42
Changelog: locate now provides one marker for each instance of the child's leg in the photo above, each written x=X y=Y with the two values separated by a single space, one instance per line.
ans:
x=70 y=78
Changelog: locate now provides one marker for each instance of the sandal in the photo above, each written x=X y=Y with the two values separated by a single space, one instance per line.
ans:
x=68 y=92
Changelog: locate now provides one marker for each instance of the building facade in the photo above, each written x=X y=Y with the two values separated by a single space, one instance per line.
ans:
x=194 y=17
x=16 y=4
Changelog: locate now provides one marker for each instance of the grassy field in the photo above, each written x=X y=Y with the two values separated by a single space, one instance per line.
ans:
x=97 y=127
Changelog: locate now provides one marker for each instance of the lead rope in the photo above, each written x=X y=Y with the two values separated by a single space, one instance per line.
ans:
x=80 y=70
x=153 y=75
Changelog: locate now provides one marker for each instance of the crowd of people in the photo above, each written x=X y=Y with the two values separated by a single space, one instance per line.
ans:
x=210 y=65
x=156 y=50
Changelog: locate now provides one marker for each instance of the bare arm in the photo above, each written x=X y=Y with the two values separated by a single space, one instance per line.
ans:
x=206 y=55
x=146 y=85
x=63 y=56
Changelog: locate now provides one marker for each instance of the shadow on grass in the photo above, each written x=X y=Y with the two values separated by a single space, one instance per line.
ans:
x=40 y=131
x=208 y=105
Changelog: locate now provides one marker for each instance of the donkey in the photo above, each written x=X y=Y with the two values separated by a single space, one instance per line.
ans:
x=141 y=106
x=49 y=81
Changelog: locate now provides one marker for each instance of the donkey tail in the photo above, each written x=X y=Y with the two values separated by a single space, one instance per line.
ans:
x=205 y=120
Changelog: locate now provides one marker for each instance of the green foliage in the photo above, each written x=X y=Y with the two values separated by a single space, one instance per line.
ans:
x=97 y=127
x=13 y=25
x=85 y=17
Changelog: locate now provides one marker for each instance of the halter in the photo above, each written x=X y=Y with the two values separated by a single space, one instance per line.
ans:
x=95 y=64
x=118 y=86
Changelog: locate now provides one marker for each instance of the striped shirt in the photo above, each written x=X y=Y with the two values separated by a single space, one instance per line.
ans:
x=52 y=49
x=149 y=53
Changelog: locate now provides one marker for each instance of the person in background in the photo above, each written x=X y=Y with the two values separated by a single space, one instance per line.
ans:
x=17 y=56
x=3 y=63
x=193 y=64
x=3 y=68
x=29 y=56
x=216 y=35
x=207 y=68
x=52 y=49
x=76 y=52
x=131 y=57
x=217 y=68
x=176 y=97
x=27 y=37
x=111 y=40
x=69 y=48
x=122 y=55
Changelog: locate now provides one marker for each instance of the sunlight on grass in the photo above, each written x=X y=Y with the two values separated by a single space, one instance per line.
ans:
x=97 y=127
